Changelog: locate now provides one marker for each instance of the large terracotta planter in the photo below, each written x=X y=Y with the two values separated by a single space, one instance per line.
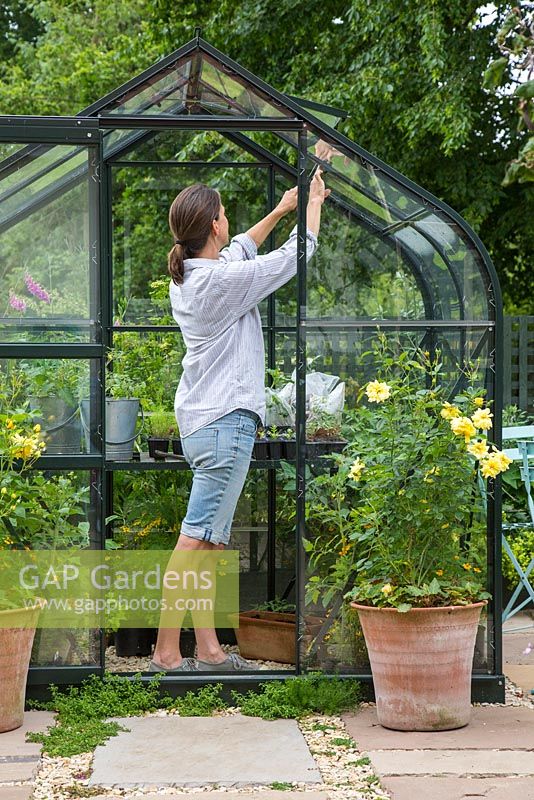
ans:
x=270 y=635
x=15 y=649
x=421 y=663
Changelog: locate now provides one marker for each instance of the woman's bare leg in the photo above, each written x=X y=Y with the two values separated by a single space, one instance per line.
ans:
x=167 y=651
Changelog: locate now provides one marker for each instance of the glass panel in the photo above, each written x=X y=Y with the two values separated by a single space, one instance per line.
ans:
x=465 y=261
x=48 y=230
x=61 y=512
x=198 y=84
x=150 y=507
x=232 y=94
x=141 y=238
x=63 y=397
x=182 y=145
x=161 y=95
x=330 y=563
x=146 y=365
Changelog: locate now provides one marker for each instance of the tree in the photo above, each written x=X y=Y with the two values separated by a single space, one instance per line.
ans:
x=17 y=25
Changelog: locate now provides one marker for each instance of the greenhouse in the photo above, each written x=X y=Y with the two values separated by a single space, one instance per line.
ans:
x=86 y=320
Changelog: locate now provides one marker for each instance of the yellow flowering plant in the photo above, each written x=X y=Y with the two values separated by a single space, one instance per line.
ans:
x=405 y=505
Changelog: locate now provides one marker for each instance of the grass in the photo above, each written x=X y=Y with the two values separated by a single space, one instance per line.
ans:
x=83 y=711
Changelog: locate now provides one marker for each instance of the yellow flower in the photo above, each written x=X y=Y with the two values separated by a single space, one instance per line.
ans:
x=495 y=463
x=14 y=495
x=10 y=424
x=478 y=401
x=478 y=449
x=37 y=428
x=3 y=490
x=377 y=391
x=355 y=472
x=446 y=525
x=476 y=569
x=387 y=589
x=439 y=572
x=344 y=550
x=462 y=426
x=450 y=411
x=482 y=418
x=466 y=566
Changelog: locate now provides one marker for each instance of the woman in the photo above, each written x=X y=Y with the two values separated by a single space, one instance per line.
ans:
x=220 y=399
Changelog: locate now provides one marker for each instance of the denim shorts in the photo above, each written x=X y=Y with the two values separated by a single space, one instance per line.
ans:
x=219 y=455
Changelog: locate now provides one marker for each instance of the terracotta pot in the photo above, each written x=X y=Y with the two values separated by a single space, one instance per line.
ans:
x=421 y=663
x=15 y=649
x=270 y=635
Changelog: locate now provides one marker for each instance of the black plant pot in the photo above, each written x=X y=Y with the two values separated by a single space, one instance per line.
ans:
x=289 y=449
x=261 y=450
x=177 y=448
x=134 y=641
x=157 y=444
x=187 y=643
x=275 y=449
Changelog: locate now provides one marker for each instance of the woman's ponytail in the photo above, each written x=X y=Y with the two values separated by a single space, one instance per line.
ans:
x=190 y=220
x=175 y=261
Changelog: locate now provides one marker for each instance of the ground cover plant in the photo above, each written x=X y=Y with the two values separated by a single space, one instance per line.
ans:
x=83 y=711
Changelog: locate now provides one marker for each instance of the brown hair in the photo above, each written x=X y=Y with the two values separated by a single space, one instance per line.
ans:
x=190 y=218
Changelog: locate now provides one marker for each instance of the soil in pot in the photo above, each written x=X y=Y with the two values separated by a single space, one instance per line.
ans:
x=177 y=448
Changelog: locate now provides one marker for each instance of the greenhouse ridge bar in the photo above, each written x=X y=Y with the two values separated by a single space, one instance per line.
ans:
x=94 y=192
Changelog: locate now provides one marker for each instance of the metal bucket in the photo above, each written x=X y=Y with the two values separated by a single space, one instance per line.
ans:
x=121 y=419
x=60 y=424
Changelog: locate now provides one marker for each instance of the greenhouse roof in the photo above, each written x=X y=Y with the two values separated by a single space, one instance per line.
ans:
x=198 y=87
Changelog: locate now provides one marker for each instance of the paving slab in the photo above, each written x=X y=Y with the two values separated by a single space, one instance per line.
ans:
x=17 y=770
x=17 y=792
x=12 y=743
x=256 y=794
x=459 y=788
x=196 y=751
x=502 y=728
x=522 y=675
x=481 y=763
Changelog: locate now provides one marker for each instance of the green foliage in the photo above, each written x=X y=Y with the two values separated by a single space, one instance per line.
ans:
x=296 y=697
x=522 y=546
x=163 y=424
x=201 y=703
x=82 y=710
x=387 y=524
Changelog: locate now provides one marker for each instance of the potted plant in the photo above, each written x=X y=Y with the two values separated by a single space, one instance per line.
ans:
x=268 y=632
x=163 y=428
x=416 y=536
x=122 y=409
x=20 y=447
x=323 y=434
x=261 y=445
x=53 y=387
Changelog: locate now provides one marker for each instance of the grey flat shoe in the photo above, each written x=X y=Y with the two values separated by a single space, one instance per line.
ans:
x=187 y=665
x=234 y=663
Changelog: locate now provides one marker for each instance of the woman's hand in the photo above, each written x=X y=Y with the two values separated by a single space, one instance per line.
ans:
x=317 y=192
x=288 y=202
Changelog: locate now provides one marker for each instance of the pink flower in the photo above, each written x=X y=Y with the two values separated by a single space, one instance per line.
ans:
x=36 y=289
x=16 y=302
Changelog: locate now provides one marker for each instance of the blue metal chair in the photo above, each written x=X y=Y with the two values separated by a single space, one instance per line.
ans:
x=526 y=451
x=525 y=454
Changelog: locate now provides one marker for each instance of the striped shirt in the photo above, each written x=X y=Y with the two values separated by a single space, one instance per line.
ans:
x=216 y=309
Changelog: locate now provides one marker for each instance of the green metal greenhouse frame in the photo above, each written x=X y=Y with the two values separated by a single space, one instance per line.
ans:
x=198 y=88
